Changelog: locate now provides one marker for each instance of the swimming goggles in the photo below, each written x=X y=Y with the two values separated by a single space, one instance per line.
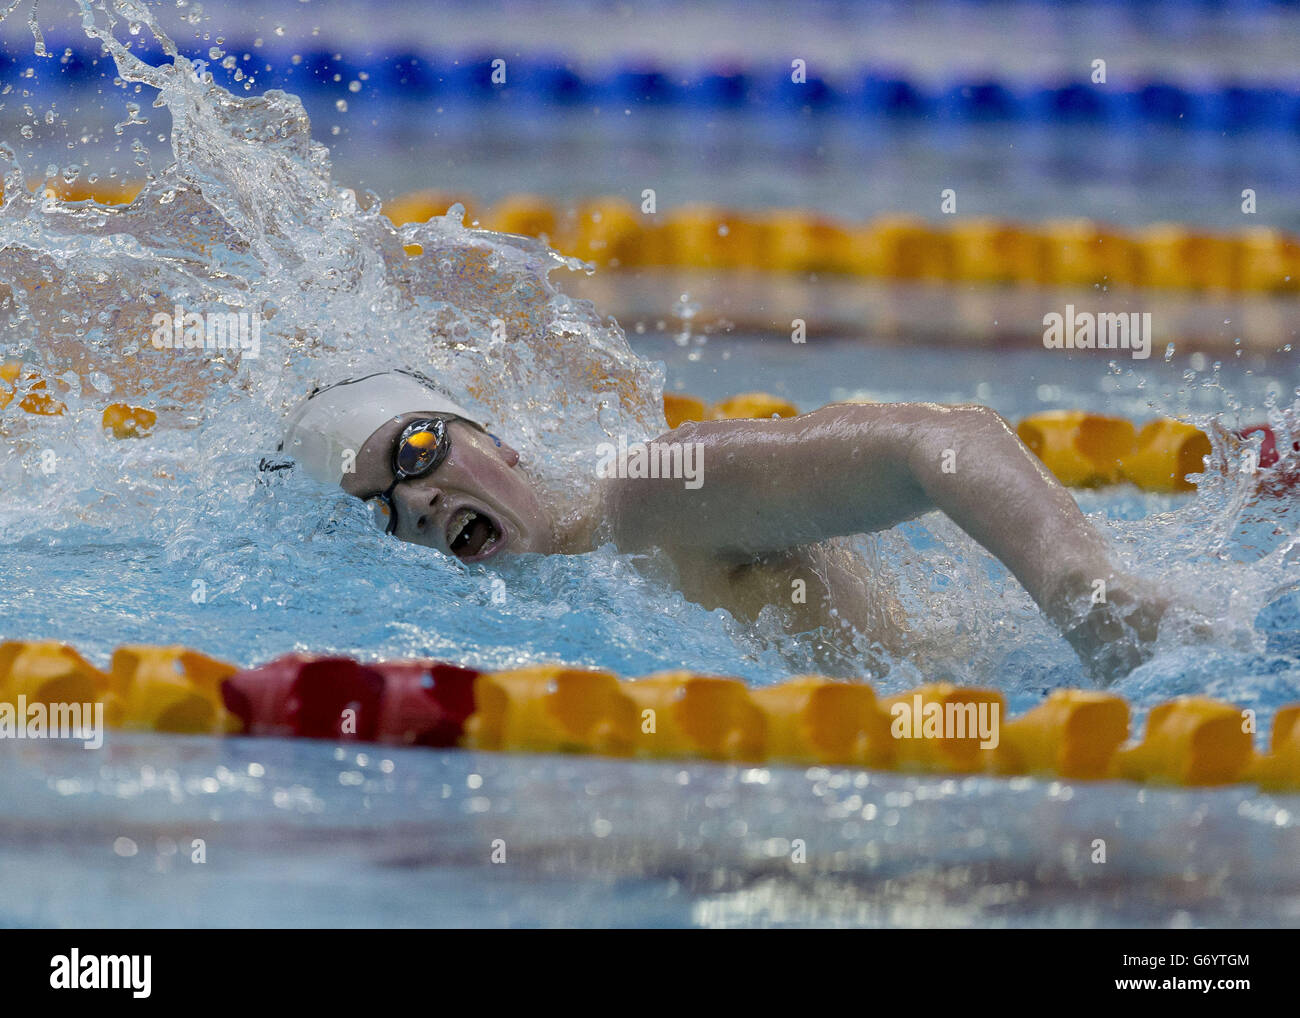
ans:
x=419 y=451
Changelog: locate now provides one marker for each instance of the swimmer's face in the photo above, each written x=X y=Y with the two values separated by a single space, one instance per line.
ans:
x=475 y=505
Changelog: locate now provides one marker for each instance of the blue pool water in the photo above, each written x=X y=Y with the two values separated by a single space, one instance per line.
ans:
x=305 y=834
x=289 y=566
x=179 y=538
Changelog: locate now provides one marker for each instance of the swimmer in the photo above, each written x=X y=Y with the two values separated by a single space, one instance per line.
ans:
x=774 y=493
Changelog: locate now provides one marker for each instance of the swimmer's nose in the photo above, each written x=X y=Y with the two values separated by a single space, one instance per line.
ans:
x=419 y=506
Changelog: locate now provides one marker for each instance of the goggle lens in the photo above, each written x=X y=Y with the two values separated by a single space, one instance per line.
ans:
x=422 y=450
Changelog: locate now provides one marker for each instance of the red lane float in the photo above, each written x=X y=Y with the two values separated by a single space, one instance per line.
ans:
x=1268 y=445
x=1279 y=465
x=420 y=703
x=809 y=720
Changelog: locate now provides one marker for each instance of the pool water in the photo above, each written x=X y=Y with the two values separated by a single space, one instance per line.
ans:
x=308 y=834
x=180 y=538
x=287 y=565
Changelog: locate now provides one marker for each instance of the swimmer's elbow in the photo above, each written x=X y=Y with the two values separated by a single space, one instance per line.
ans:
x=942 y=432
x=973 y=418
x=986 y=418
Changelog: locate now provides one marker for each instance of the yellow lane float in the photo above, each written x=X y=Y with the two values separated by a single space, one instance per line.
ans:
x=549 y=709
x=37 y=400
x=123 y=421
x=1085 y=450
x=1067 y=252
x=989 y=251
x=1073 y=734
x=687 y=715
x=752 y=404
x=794 y=241
x=1165 y=453
x=945 y=729
x=1279 y=770
x=1079 y=252
x=1071 y=252
x=1189 y=741
x=49 y=673
x=680 y=409
x=816 y=720
x=706 y=237
x=169 y=689
x=525 y=215
x=806 y=721
x=610 y=232
x=1081 y=449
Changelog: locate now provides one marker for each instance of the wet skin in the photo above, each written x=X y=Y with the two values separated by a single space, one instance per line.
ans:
x=774 y=492
x=478 y=477
x=779 y=488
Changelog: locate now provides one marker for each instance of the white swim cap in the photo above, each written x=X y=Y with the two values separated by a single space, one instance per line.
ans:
x=337 y=419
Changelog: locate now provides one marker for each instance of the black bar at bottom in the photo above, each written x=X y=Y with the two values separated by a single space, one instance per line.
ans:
x=335 y=969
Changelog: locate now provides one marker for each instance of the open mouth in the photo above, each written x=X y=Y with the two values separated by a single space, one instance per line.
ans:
x=472 y=535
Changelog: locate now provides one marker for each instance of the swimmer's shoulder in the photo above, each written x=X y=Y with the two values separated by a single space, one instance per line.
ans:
x=705 y=476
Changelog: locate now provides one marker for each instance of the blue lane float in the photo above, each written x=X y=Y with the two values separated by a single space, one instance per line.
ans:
x=550 y=80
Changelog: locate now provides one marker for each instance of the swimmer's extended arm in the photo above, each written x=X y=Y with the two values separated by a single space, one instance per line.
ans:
x=852 y=468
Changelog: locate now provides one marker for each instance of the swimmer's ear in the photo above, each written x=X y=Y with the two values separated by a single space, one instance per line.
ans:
x=506 y=452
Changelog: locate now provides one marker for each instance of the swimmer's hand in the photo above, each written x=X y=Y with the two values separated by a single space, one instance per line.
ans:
x=765 y=486
x=1114 y=629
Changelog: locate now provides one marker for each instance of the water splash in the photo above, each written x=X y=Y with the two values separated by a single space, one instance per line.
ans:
x=244 y=217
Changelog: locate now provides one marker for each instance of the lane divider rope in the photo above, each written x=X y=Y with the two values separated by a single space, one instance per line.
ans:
x=1083 y=450
x=808 y=720
x=538 y=84
x=613 y=233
